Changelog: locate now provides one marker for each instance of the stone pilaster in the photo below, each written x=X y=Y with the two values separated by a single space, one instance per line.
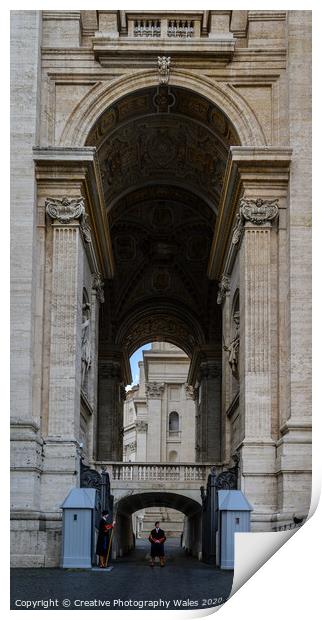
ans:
x=257 y=219
x=208 y=432
x=110 y=409
x=141 y=440
x=154 y=393
x=61 y=443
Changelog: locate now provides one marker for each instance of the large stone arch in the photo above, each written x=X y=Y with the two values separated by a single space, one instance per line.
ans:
x=101 y=96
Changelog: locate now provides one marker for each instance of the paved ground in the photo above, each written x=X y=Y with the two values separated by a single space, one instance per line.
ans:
x=183 y=583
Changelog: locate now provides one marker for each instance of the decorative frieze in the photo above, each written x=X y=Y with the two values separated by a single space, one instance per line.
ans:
x=154 y=389
x=65 y=210
x=224 y=288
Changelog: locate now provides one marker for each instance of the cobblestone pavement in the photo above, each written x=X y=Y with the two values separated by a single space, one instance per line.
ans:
x=131 y=584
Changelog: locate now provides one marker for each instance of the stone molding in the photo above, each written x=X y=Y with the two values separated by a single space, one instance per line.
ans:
x=154 y=389
x=65 y=210
x=224 y=288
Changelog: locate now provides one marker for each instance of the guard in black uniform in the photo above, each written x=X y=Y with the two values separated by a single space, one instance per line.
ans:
x=157 y=539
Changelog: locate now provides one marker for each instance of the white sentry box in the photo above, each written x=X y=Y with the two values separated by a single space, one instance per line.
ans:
x=78 y=528
x=234 y=516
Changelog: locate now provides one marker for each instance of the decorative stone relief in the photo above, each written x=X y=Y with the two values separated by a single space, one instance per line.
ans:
x=66 y=209
x=224 y=288
x=237 y=231
x=233 y=348
x=154 y=389
x=98 y=286
x=86 y=344
x=258 y=211
x=164 y=63
x=191 y=392
x=86 y=229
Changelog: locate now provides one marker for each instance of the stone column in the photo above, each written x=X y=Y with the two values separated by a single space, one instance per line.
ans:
x=256 y=225
x=209 y=411
x=110 y=407
x=61 y=444
x=154 y=393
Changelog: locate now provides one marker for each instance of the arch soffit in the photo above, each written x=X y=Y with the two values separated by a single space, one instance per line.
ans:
x=234 y=106
x=130 y=504
x=169 y=324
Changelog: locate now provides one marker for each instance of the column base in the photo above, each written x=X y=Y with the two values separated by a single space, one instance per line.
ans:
x=294 y=481
x=258 y=481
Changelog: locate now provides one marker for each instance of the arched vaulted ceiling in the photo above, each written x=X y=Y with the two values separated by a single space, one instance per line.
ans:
x=162 y=155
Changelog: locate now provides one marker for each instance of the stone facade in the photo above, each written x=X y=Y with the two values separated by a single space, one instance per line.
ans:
x=159 y=423
x=140 y=197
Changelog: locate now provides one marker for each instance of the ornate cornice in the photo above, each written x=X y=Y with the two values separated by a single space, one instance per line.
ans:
x=224 y=288
x=154 y=389
x=65 y=210
x=98 y=286
x=258 y=211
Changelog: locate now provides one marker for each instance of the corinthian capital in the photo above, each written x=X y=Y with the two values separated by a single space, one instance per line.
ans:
x=66 y=209
x=154 y=389
x=258 y=211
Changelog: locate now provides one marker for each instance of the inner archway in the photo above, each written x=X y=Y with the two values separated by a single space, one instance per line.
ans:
x=162 y=155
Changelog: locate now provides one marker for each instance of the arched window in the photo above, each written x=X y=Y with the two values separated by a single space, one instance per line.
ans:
x=173 y=422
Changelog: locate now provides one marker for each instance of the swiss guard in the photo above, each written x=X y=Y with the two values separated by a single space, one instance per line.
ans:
x=157 y=539
x=104 y=540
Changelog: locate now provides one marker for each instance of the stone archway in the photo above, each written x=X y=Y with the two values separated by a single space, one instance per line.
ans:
x=102 y=96
x=191 y=508
x=163 y=169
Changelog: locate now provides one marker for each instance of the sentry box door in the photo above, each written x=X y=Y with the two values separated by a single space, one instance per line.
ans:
x=234 y=511
x=78 y=509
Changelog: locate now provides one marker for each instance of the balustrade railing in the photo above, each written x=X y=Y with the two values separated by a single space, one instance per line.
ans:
x=171 y=472
x=147 y=28
x=180 y=28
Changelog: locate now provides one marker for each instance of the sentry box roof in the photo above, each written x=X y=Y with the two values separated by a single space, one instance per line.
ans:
x=80 y=498
x=233 y=500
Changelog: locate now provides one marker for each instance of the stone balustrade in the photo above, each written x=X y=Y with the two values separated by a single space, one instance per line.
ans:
x=142 y=472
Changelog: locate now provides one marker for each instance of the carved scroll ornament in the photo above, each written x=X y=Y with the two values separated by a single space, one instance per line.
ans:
x=258 y=211
x=66 y=209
